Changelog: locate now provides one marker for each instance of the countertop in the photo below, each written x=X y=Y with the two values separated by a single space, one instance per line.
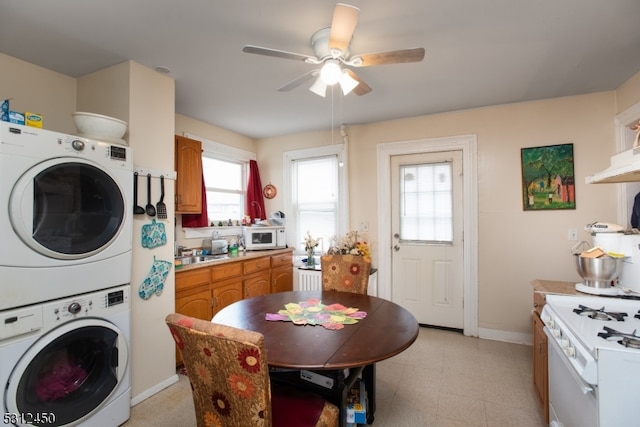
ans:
x=555 y=287
x=241 y=256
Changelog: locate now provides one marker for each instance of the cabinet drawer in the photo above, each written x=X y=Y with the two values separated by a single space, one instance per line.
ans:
x=192 y=278
x=225 y=271
x=282 y=260
x=255 y=265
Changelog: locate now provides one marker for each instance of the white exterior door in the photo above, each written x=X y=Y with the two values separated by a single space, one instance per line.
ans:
x=427 y=236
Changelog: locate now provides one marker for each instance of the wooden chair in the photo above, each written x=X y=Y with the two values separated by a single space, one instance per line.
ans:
x=230 y=382
x=346 y=273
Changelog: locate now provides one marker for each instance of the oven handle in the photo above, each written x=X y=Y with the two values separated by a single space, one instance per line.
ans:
x=585 y=388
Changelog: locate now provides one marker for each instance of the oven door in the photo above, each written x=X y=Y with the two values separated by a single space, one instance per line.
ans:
x=572 y=401
x=67 y=209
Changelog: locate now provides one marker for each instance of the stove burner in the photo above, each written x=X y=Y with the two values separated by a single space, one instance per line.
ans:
x=630 y=342
x=599 y=314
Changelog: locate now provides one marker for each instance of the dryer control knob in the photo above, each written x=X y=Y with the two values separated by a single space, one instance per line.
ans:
x=74 y=308
x=77 y=145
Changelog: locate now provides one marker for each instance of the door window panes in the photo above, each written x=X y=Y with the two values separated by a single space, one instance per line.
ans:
x=426 y=203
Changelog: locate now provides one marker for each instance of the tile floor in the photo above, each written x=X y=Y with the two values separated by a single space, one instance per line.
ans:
x=443 y=380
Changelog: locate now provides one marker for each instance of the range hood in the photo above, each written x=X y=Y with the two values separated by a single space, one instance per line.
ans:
x=625 y=167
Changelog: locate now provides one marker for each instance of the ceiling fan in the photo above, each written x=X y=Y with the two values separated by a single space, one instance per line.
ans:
x=331 y=48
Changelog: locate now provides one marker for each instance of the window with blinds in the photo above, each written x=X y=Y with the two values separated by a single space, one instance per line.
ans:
x=225 y=182
x=426 y=203
x=315 y=192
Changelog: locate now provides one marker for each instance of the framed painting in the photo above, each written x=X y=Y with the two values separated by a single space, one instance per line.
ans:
x=547 y=178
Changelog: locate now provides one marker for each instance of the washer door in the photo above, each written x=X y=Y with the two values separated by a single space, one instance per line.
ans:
x=68 y=373
x=67 y=208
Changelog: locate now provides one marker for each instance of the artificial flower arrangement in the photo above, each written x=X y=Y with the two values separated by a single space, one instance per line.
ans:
x=310 y=243
x=349 y=245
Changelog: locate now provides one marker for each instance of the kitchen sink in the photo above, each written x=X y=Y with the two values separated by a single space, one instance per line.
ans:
x=198 y=259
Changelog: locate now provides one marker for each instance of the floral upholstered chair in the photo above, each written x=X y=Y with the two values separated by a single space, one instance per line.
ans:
x=230 y=380
x=346 y=273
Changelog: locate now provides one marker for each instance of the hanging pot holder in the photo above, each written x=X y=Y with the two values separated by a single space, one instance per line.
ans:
x=153 y=235
x=154 y=282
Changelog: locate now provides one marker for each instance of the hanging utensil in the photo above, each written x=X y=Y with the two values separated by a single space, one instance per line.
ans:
x=151 y=210
x=137 y=209
x=160 y=206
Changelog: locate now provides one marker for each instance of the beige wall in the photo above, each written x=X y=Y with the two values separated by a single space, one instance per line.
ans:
x=39 y=90
x=628 y=93
x=515 y=247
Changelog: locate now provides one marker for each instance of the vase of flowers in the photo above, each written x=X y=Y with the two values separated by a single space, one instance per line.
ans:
x=349 y=244
x=310 y=245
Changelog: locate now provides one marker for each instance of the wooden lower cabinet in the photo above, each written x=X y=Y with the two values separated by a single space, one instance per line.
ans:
x=281 y=279
x=258 y=284
x=224 y=294
x=202 y=292
x=282 y=272
x=540 y=358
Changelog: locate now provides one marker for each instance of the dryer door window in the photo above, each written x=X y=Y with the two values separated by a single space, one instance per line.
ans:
x=70 y=376
x=67 y=210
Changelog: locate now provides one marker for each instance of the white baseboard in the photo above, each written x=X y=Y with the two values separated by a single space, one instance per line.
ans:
x=153 y=390
x=505 y=336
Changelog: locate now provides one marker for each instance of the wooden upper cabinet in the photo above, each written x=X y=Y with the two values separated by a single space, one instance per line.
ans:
x=188 y=154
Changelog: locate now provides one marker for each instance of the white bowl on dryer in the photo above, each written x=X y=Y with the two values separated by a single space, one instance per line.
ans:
x=102 y=128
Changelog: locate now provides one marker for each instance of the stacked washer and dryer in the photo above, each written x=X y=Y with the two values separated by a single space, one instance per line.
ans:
x=65 y=272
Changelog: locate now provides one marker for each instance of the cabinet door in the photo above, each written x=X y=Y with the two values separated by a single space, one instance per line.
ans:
x=226 y=294
x=282 y=279
x=540 y=367
x=195 y=303
x=257 y=285
x=188 y=162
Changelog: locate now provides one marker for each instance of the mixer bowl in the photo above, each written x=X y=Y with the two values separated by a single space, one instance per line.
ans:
x=598 y=272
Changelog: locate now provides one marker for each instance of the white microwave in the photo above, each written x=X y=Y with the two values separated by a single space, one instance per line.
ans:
x=259 y=238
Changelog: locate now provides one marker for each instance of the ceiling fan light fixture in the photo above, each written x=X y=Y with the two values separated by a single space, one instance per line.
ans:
x=347 y=83
x=330 y=73
x=319 y=87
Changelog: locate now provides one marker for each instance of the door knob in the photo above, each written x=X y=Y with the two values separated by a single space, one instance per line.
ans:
x=396 y=248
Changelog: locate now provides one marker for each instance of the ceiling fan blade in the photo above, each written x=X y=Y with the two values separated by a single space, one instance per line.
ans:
x=362 y=88
x=278 y=53
x=297 y=82
x=345 y=19
x=391 y=57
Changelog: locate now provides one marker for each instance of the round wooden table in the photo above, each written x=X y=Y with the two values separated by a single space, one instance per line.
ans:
x=387 y=330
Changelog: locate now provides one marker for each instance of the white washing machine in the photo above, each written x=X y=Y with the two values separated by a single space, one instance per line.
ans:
x=67 y=224
x=66 y=362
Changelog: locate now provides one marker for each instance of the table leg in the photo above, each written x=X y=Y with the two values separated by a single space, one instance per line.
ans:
x=369 y=377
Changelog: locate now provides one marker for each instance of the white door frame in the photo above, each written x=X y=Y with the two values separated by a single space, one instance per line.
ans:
x=468 y=145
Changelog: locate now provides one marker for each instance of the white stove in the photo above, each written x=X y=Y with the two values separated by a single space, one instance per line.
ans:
x=593 y=372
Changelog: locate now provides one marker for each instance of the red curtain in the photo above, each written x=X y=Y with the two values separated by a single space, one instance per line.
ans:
x=201 y=219
x=255 y=200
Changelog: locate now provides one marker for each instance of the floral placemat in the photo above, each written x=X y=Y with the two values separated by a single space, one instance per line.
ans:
x=314 y=312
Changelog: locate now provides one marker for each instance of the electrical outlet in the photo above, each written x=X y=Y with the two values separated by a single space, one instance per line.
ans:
x=573 y=234
x=364 y=226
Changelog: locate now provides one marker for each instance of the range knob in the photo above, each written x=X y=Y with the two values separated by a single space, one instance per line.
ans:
x=77 y=144
x=74 y=308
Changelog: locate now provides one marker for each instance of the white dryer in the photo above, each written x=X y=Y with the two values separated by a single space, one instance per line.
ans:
x=66 y=362
x=67 y=225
